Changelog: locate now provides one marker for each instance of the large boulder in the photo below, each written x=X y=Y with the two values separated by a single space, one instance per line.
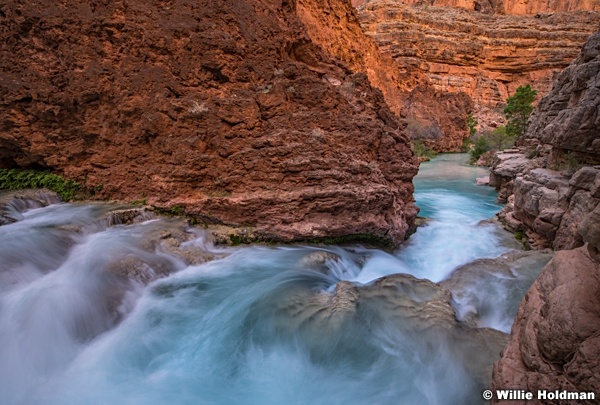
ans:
x=556 y=335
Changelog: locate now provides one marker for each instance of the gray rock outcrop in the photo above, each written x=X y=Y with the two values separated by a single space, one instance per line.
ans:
x=568 y=119
x=555 y=201
x=552 y=181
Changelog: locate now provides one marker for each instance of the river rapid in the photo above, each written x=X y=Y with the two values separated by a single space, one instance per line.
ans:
x=97 y=313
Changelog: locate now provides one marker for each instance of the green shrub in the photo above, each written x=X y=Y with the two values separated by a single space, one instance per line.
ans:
x=568 y=161
x=518 y=109
x=497 y=139
x=17 y=179
x=500 y=138
x=421 y=150
x=468 y=143
x=174 y=211
x=472 y=124
x=480 y=146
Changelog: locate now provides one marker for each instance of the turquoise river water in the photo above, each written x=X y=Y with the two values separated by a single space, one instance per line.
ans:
x=243 y=329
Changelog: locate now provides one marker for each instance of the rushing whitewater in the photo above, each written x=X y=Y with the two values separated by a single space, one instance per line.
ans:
x=95 y=313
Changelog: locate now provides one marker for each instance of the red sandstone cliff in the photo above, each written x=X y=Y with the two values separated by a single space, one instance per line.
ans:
x=334 y=26
x=436 y=117
x=512 y=7
x=228 y=110
x=485 y=56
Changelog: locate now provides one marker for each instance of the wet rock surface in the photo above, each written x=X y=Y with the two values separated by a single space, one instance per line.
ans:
x=204 y=115
x=400 y=305
x=511 y=275
x=12 y=203
x=555 y=336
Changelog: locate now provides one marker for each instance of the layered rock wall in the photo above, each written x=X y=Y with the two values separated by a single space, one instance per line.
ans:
x=436 y=117
x=553 y=180
x=566 y=123
x=511 y=7
x=554 y=186
x=486 y=56
x=228 y=111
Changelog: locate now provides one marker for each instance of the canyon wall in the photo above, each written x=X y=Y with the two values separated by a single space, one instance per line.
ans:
x=227 y=111
x=335 y=27
x=552 y=183
x=512 y=7
x=435 y=117
x=485 y=56
x=553 y=179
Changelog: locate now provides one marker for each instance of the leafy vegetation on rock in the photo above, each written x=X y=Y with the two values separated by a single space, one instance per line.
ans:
x=422 y=151
x=517 y=111
x=17 y=179
x=472 y=124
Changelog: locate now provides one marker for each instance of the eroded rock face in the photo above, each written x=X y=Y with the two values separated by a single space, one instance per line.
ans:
x=549 y=206
x=506 y=165
x=512 y=7
x=460 y=49
x=590 y=231
x=227 y=110
x=554 y=175
x=566 y=121
x=334 y=25
x=555 y=338
x=436 y=117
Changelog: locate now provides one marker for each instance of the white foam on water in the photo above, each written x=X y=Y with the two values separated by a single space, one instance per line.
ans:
x=238 y=330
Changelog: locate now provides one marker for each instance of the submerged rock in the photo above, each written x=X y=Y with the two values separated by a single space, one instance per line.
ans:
x=13 y=203
x=413 y=314
x=487 y=292
x=483 y=181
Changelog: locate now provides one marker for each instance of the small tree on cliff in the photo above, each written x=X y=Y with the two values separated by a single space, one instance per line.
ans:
x=518 y=109
x=472 y=124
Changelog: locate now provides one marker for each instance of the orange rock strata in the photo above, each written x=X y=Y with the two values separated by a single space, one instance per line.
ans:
x=436 y=117
x=486 y=56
